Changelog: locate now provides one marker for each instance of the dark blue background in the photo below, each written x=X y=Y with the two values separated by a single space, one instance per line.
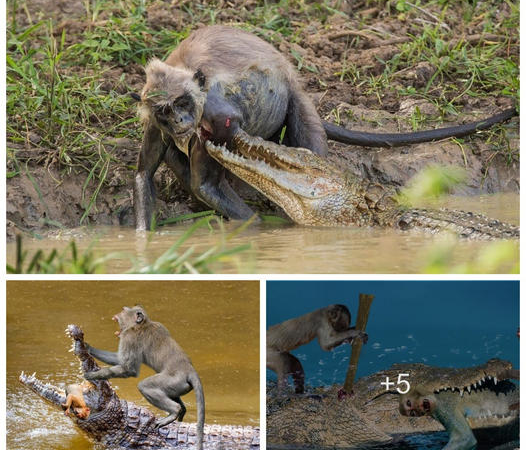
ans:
x=442 y=323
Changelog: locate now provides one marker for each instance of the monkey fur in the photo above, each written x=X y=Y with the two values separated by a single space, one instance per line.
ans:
x=330 y=325
x=221 y=79
x=75 y=400
x=142 y=340
x=452 y=411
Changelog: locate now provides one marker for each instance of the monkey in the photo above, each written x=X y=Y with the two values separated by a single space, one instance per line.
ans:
x=75 y=400
x=330 y=325
x=446 y=407
x=142 y=340
x=222 y=79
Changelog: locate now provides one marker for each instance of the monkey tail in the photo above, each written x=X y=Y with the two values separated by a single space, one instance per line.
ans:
x=340 y=134
x=195 y=381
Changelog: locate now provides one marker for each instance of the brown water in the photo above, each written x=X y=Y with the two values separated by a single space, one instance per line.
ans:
x=216 y=323
x=294 y=249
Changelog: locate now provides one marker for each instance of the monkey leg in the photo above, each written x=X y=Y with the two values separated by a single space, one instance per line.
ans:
x=297 y=373
x=151 y=155
x=182 y=412
x=164 y=391
x=285 y=364
x=304 y=126
x=210 y=185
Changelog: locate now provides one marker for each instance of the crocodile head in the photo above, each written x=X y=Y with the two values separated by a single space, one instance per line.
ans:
x=294 y=178
x=105 y=408
x=109 y=415
x=311 y=190
x=372 y=415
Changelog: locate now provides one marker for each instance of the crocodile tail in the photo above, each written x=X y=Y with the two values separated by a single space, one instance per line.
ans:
x=195 y=381
x=465 y=224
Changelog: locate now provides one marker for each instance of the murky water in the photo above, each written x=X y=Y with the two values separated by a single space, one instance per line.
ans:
x=292 y=249
x=216 y=323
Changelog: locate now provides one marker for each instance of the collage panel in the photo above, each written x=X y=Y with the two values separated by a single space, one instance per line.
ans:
x=193 y=338
x=431 y=365
x=268 y=137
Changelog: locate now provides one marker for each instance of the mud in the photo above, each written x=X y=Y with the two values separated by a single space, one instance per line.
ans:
x=45 y=194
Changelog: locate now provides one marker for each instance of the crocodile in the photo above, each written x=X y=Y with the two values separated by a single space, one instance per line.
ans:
x=314 y=192
x=371 y=416
x=117 y=423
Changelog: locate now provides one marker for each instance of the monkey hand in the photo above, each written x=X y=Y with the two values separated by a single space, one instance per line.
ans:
x=360 y=335
x=95 y=375
x=363 y=336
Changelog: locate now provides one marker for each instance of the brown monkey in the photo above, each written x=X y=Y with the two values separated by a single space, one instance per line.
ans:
x=330 y=325
x=145 y=341
x=417 y=403
x=75 y=400
x=222 y=79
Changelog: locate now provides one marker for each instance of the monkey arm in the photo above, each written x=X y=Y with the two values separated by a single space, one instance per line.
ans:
x=461 y=436
x=67 y=405
x=118 y=371
x=129 y=363
x=152 y=153
x=329 y=338
x=103 y=355
x=178 y=162
x=210 y=185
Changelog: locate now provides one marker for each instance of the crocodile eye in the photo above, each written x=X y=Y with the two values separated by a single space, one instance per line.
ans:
x=408 y=403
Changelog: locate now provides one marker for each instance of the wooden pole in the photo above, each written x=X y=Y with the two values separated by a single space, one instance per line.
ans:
x=361 y=323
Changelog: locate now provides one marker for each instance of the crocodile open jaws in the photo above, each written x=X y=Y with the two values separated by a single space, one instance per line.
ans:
x=117 y=423
x=476 y=404
x=312 y=191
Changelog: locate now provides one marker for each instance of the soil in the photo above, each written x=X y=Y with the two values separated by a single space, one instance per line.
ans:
x=46 y=193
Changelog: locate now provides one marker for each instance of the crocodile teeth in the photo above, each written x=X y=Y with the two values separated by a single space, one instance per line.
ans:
x=495 y=380
x=469 y=389
x=462 y=393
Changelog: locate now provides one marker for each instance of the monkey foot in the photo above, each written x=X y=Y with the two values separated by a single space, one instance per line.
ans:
x=165 y=421
x=343 y=394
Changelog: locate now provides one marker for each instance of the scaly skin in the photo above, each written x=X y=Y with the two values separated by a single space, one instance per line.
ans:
x=314 y=192
x=372 y=417
x=120 y=424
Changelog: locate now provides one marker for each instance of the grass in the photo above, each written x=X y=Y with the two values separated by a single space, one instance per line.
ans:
x=182 y=257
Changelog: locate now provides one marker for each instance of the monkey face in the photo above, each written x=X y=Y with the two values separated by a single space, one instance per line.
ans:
x=129 y=317
x=173 y=99
x=177 y=119
x=416 y=405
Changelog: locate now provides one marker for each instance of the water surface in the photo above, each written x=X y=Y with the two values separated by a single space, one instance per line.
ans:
x=292 y=249
x=216 y=323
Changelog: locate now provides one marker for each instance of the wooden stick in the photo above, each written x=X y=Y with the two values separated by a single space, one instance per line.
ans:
x=361 y=323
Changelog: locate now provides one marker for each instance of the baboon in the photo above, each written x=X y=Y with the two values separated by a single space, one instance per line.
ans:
x=330 y=325
x=145 y=341
x=221 y=79
x=75 y=400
